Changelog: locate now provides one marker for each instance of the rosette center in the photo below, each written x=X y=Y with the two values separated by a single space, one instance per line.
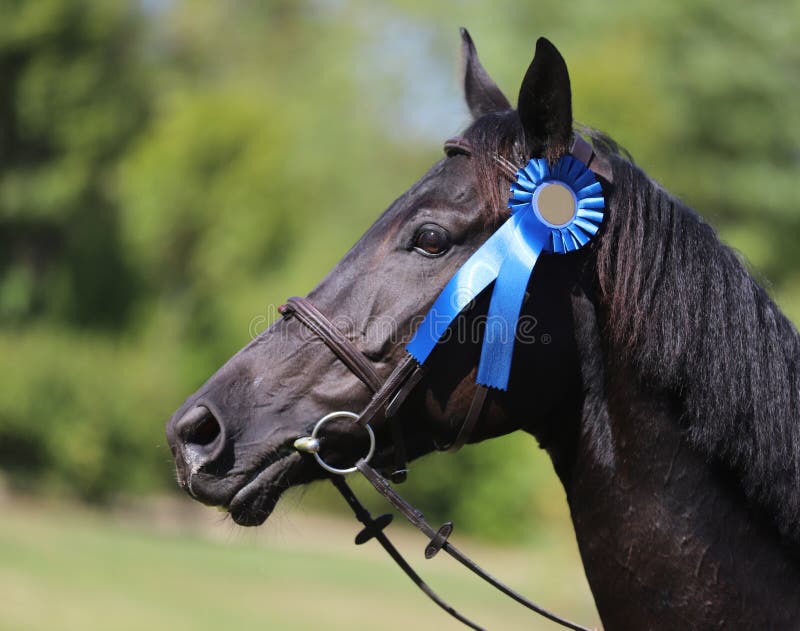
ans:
x=555 y=204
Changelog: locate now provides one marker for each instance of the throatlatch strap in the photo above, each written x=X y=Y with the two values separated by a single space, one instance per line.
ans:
x=475 y=409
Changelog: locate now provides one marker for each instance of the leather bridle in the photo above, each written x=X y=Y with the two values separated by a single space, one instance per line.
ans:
x=388 y=395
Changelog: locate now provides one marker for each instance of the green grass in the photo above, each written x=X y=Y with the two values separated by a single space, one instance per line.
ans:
x=64 y=568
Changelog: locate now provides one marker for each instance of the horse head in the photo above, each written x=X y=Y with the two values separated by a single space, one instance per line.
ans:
x=232 y=440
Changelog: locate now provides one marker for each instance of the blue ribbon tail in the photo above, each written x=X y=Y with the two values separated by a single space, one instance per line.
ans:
x=470 y=280
x=530 y=238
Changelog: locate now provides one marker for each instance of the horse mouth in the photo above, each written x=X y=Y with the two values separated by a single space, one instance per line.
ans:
x=254 y=502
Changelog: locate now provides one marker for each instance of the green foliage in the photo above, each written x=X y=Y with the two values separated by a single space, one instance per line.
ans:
x=191 y=224
x=85 y=414
x=168 y=170
x=72 y=96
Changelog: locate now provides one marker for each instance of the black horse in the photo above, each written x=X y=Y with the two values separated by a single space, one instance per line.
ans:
x=667 y=397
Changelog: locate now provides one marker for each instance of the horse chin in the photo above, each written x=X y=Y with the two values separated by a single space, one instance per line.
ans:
x=254 y=502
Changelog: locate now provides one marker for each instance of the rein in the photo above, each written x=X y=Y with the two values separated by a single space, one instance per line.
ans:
x=387 y=398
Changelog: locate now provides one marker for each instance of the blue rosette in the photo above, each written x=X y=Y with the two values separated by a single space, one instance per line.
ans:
x=553 y=209
x=587 y=195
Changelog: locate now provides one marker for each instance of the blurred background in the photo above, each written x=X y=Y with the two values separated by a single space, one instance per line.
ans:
x=172 y=169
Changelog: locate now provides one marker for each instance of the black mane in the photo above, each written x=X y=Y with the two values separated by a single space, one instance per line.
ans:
x=681 y=307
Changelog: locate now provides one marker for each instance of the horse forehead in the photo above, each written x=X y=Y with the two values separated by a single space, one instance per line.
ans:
x=447 y=185
x=448 y=175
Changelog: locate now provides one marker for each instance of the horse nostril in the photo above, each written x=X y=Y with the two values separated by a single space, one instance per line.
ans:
x=199 y=428
x=205 y=432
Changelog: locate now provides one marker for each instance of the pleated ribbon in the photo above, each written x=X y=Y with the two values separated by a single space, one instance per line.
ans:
x=507 y=259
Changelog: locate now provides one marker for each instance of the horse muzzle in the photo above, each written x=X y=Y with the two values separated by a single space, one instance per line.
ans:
x=197 y=439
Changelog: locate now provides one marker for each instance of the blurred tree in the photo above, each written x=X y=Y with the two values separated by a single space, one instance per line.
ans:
x=258 y=169
x=738 y=77
x=73 y=94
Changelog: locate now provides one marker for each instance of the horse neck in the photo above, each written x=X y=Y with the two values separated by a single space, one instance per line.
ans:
x=666 y=538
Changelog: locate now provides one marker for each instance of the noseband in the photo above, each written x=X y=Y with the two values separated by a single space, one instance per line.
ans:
x=387 y=397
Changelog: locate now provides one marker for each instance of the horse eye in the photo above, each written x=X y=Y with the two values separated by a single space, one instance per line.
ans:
x=431 y=240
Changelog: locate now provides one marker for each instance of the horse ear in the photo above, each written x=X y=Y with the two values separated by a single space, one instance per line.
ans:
x=545 y=103
x=480 y=91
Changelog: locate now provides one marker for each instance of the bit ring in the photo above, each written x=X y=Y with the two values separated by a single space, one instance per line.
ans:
x=310 y=444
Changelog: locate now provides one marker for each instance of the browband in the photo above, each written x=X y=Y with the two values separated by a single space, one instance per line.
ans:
x=580 y=149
